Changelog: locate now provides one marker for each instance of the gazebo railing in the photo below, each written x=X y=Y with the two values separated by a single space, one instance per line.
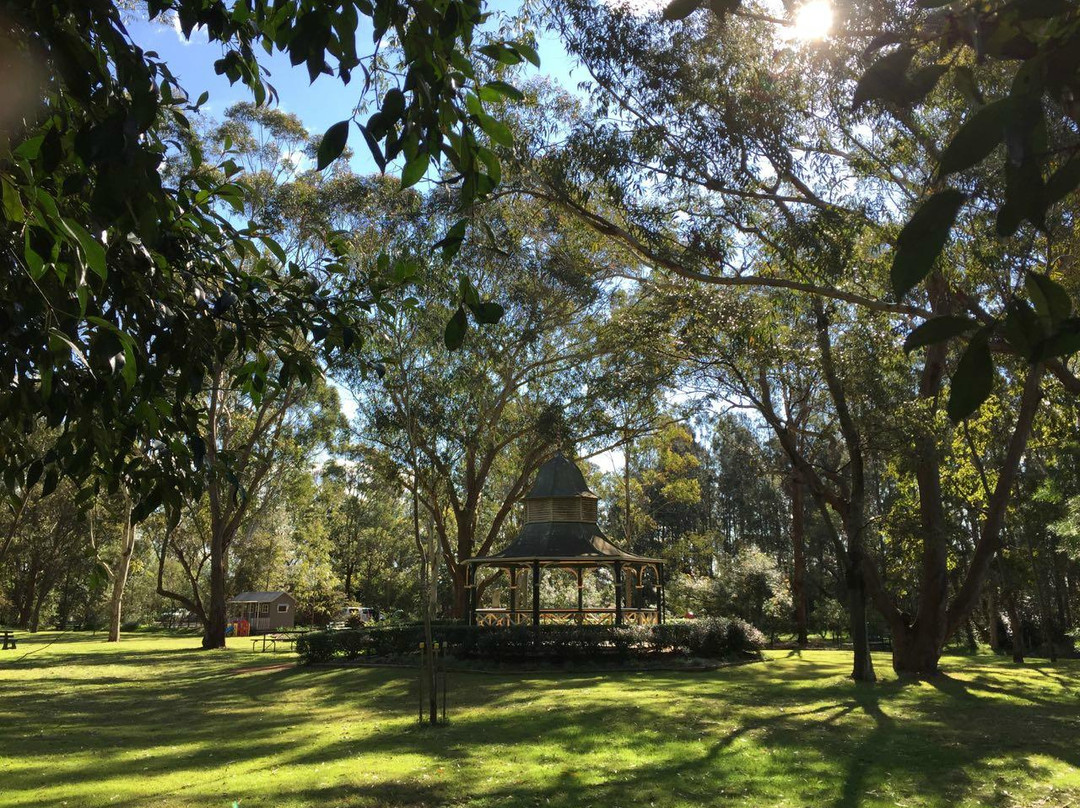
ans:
x=566 y=617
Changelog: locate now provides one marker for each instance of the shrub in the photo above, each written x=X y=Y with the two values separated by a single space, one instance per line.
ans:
x=317 y=646
x=354 y=621
x=711 y=638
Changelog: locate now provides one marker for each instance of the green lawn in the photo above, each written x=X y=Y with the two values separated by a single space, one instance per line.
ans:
x=155 y=722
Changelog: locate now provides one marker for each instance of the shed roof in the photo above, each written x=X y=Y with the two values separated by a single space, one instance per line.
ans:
x=559 y=477
x=258 y=597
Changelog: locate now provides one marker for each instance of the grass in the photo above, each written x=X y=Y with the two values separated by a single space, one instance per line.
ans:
x=153 y=722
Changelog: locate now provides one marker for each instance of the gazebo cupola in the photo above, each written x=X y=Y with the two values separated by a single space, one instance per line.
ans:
x=561 y=532
x=560 y=494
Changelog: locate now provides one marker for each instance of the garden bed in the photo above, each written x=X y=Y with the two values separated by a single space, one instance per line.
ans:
x=709 y=639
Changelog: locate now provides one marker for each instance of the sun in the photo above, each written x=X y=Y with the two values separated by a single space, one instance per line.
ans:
x=813 y=20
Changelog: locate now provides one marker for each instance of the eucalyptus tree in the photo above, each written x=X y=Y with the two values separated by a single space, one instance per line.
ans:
x=465 y=432
x=654 y=503
x=733 y=158
x=48 y=544
x=372 y=548
x=255 y=440
x=843 y=400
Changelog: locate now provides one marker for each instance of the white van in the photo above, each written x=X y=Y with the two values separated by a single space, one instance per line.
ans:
x=350 y=614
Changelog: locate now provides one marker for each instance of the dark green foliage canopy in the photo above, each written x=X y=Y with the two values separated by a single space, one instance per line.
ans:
x=124 y=281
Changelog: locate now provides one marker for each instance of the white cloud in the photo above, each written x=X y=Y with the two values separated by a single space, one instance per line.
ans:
x=297 y=158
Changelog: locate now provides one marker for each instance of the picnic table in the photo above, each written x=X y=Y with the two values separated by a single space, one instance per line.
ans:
x=9 y=640
x=285 y=637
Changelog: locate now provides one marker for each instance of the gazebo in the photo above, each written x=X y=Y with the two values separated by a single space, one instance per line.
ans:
x=561 y=533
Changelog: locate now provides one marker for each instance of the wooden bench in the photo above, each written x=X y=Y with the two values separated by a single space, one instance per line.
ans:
x=9 y=640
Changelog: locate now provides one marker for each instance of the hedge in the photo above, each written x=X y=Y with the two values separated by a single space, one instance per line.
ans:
x=709 y=638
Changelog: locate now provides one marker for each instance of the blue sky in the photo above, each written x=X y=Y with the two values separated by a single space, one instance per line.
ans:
x=318 y=104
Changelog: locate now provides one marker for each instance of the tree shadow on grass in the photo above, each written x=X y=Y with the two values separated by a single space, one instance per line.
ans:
x=792 y=730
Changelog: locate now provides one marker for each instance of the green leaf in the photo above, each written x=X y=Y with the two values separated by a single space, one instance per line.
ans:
x=933 y=3
x=966 y=84
x=13 y=206
x=414 y=170
x=1063 y=181
x=1025 y=196
x=52 y=479
x=277 y=250
x=979 y=135
x=489 y=312
x=1049 y=297
x=886 y=79
x=373 y=147
x=495 y=91
x=938 y=330
x=923 y=238
x=529 y=52
x=1066 y=341
x=501 y=53
x=469 y=294
x=973 y=379
x=129 y=370
x=451 y=242
x=923 y=82
x=393 y=104
x=405 y=269
x=1022 y=328
x=454 y=335
x=498 y=131
x=34 y=262
x=92 y=250
x=332 y=144
x=31 y=148
x=679 y=9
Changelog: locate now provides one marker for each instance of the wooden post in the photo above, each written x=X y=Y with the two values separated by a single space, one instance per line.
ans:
x=618 y=593
x=536 y=595
x=580 y=594
x=661 y=604
x=470 y=594
x=513 y=594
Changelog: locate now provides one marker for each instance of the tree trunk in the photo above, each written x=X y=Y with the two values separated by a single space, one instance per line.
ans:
x=628 y=527
x=992 y=628
x=863 y=668
x=428 y=596
x=214 y=634
x=972 y=643
x=25 y=598
x=120 y=576
x=1016 y=630
x=916 y=651
x=798 y=574
x=1040 y=595
x=461 y=591
x=35 y=617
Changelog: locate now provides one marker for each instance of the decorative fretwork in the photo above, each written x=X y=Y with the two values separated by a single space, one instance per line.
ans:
x=567 y=617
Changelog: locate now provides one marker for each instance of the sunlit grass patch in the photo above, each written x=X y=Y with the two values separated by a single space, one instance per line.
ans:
x=154 y=721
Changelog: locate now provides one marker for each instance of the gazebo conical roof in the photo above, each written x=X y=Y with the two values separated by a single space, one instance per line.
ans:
x=559 y=477
x=570 y=542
